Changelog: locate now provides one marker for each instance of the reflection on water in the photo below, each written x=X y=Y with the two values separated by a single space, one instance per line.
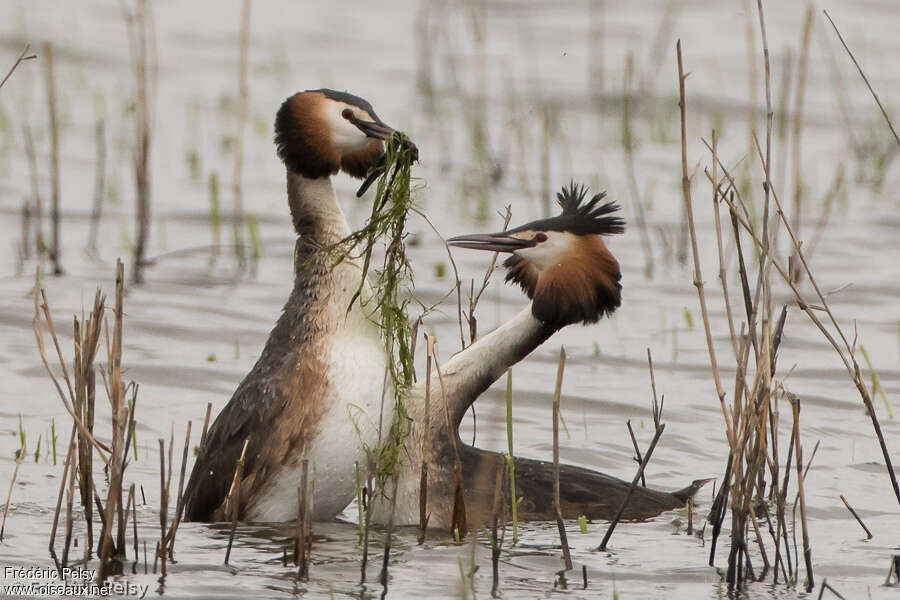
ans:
x=487 y=93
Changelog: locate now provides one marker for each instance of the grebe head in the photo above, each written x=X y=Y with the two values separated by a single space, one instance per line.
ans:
x=562 y=263
x=318 y=132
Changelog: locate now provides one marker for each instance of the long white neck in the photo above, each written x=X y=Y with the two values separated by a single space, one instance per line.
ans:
x=315 y=210
x=472 y=371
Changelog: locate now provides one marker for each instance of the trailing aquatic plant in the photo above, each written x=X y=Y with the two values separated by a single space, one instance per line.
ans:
x=390 y=288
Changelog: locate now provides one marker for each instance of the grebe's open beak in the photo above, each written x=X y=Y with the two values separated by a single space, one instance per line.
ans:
x=496 y=242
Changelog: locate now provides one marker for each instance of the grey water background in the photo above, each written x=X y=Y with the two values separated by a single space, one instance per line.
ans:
x=473 y=84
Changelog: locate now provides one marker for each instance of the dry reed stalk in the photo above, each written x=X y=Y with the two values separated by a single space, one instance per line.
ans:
x=783 y=114
x=9 y=493
x=301 y=558
x=426 y=426
x=560 y=523
x=16 y=64
x=656 y=409
x=142 y=43
x=70 y=493
x=205 y=425
x=458 y=519
x=723 y=279
x=637 y=451
x=164 y=510
x=855 y=516
x=474 y=298
x=458 y=285
x=233 y=500
x=243 y=100
x=798 y=124
x=55 y=250
x=629 y=144
x=698 y=279
x=807 y=552
x=845 y=351
x=62 y=487
x=87 y=337
x=119 y=415
x=179 y=500
x=99 y=187
x=863 y=75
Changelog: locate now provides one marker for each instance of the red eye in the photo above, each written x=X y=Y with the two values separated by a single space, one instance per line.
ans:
x=540 y=237
x=347 y=113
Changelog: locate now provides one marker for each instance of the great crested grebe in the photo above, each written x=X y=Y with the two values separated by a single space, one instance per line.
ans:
x=316 y=390
x=565 y=268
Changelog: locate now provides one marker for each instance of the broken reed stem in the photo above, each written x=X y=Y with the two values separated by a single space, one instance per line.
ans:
x=807 y=551
x=473 y=299
x=233 y=500
x=656 y=408
x=423 y=480
x=698 y=278
x=179 y=500
x=612 y=525
x=205 y=425
x=510 y=458
x=560 y=523
x=55 y=249
x=863 y=75
x=11 y=484
x=243 y=99
x=856 y=516
x=17 y=63
x=637 y=451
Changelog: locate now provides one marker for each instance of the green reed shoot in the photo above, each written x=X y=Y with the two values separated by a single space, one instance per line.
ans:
x=253 y=231
x=582 y=523
x=510 y=461
x=37 y=450
x=215 y=215
x=21 y=450
x=53 y=438
x=876 y=382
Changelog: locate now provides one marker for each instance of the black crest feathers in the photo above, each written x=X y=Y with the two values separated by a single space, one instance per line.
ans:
x=578 y=216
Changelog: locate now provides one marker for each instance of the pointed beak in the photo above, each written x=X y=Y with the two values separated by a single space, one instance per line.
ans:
x=495 y=242
x=379 y=131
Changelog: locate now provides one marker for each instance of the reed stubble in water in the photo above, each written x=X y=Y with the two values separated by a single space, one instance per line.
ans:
x=78 y=400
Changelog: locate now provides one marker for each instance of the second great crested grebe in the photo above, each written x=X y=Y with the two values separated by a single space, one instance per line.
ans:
x=563 y=265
